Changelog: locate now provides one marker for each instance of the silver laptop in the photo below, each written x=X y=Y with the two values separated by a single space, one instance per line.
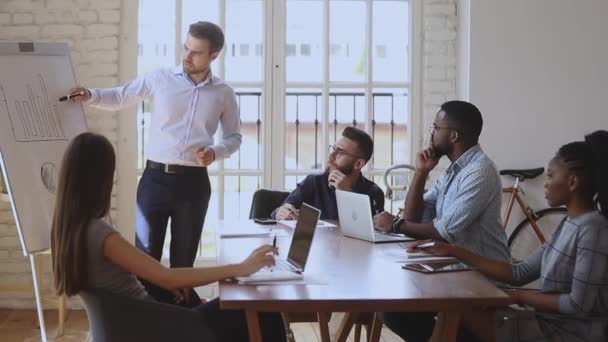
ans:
x=301 y=241
x=355 y=213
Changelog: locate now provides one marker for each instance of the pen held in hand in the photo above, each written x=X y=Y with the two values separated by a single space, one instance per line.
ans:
x=67 y=97
x=274 y=245
x=426 y=245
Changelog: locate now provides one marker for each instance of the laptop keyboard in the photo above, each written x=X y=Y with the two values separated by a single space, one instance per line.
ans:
x=282 y=265
x=388 y=237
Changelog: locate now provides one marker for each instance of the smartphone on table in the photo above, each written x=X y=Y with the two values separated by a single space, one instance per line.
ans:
x=264 y=221
x=437 y=267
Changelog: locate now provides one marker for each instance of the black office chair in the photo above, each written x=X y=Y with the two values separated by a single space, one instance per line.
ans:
x=265 y=201
x=119 y=318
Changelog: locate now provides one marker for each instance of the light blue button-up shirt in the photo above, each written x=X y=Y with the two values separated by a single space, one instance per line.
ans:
x=464 y=205
x=185 y=116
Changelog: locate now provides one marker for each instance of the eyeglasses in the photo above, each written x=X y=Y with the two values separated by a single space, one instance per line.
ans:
x=333 y=149
x=434 y=127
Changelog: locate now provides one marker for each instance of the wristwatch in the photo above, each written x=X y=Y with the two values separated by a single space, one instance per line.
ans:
x=396 y=227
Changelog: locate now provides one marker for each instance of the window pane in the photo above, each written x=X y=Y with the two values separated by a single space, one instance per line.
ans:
x=292 y=181
x=238 y=195
x=304 y=50
x=244 y=32
x=250 y=153
x=347 y=55
x=390 y=122
x=197 y=10
x=390 y=52
x=156 y=35
x=303 y=129
x=346 y=108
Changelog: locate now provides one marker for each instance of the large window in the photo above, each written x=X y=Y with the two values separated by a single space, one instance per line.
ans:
x=303 y=70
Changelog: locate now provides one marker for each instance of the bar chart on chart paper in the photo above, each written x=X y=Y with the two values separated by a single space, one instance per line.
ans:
x=33 y=116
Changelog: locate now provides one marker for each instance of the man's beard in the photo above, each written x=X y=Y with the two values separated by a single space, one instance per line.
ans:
x=441 y=149
x=345 y=169
x=192 y=69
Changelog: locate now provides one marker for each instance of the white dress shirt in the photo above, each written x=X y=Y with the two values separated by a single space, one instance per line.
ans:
x=185 y=116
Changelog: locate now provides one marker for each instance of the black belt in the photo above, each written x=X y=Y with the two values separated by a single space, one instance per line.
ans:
x=174 y=168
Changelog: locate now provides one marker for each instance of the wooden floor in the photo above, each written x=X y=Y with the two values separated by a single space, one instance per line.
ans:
x=22 y=325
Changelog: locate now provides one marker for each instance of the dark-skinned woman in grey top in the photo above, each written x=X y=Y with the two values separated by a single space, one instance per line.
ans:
x=572 y=304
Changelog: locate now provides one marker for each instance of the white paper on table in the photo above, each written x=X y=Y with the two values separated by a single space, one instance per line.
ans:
x=320 y=224
x=251 y=232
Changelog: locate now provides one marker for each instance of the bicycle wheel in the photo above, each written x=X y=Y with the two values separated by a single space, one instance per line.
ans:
x=523 y=241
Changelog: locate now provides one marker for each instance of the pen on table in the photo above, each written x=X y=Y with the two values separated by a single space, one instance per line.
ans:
x=67 y=97
x=274 y=245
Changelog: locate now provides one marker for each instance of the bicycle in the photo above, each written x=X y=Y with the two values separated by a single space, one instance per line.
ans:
x=537 y=226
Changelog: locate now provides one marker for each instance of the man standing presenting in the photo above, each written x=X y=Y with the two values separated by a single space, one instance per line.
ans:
x=188 y=105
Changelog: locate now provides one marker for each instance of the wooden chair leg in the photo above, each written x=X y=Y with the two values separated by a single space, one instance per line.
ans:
x=376 y=329
x=323 y=319
x=345 y=326
x=357 y=332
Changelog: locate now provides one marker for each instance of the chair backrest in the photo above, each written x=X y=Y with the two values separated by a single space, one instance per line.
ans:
x=118 y=318
x=265 y=201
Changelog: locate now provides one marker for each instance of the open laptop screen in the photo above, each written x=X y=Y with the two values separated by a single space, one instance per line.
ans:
x=303 y=235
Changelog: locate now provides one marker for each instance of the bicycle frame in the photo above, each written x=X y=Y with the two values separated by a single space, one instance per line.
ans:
x=514 y=191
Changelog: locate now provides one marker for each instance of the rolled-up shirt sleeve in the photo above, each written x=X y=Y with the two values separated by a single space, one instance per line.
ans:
x=586 y=283
x=473 y=196
x=231 y=128
x=123 y=96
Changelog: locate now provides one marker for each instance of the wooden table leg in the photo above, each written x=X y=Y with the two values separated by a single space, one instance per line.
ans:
x=61 y=309
x=253 y=326
x=323 y=318
x=345 y=326
x=446 y=327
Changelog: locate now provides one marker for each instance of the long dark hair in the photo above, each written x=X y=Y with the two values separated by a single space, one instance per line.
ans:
x=85 y=189
x=589 y=159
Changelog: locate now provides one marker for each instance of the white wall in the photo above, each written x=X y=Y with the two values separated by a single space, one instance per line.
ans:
x=539 y=73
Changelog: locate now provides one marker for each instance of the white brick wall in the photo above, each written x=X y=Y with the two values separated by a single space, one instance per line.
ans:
x=91 y=28
x=439 y=61
x=439 y=58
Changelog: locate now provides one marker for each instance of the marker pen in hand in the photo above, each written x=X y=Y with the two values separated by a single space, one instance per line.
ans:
x=67 y=97
x=274 y=244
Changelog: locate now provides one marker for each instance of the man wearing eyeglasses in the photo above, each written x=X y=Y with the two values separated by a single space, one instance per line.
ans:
x=347 y=157
x=462 y=207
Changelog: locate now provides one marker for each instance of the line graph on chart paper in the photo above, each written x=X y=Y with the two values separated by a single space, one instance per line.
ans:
x=33 y=116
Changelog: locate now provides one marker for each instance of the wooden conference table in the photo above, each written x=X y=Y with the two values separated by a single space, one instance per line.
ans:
x=352 y=276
